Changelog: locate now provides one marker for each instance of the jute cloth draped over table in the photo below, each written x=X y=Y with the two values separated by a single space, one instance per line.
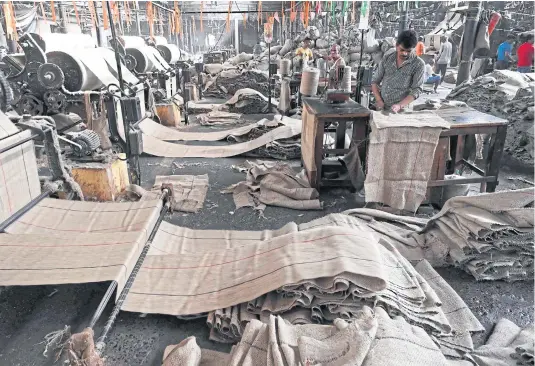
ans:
x=400 y=155
x=489 y=235
x=59 y=242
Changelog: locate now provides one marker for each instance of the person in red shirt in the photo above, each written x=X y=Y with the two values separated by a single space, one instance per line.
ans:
x=525 y=55
x=420 y=47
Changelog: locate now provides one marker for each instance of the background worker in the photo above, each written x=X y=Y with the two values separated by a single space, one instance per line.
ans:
x=305 y=53
x=444 y=57
x=525 y=55
x=429 y=75
x=420 y=47
x=334 y=61
x=400 y=75
x=503 y=55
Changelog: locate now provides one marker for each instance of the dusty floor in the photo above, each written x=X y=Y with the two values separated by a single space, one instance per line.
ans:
x=27 y=314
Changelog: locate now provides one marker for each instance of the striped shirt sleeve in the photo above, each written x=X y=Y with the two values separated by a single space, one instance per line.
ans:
x=379 y=73
x=417 y=81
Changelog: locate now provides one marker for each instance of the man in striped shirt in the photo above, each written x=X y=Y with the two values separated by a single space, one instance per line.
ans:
x=399 y=78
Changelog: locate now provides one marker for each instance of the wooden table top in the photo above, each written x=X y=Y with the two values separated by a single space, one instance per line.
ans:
x=469 y=117
x=321 y=108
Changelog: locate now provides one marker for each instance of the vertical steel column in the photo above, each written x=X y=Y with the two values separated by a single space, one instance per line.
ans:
x=469 y=37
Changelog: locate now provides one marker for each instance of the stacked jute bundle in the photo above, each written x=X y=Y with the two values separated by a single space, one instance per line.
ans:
x=506 y=94
x=246 y=101
x=418 y=293
x=489 y=235
x=274 y=184
x=371 y=338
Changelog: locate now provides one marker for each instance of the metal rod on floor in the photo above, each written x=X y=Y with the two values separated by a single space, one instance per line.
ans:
x=101 y=342
x=17 y=215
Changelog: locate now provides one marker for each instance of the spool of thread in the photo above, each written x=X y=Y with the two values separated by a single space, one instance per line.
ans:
x=346 y=80
x=310 y=79
x=285 y=67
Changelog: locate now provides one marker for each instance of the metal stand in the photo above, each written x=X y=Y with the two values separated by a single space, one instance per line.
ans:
x=17 y=215
x=101 y=342
x=358 y=87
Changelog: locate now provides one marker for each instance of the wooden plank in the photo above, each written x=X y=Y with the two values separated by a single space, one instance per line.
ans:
x=464 y=130
x=469 y=117
x=348 y=109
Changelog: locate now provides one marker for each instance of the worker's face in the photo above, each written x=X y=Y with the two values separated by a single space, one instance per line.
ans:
x=403 y=53
x=306 y=44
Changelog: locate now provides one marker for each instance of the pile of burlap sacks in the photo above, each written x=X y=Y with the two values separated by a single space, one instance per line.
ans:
x=489 y=236
x=250 y=71
x=506 y=94
x=371 y=338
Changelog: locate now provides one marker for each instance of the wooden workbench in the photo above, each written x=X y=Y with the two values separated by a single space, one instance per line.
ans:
x=316 y=114
x=468 y=121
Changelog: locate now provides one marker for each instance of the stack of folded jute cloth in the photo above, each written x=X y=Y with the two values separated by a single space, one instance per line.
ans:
x=246 y=101
x=371 y=338
x=274 y=184
x=489 y=235
x=418 y=294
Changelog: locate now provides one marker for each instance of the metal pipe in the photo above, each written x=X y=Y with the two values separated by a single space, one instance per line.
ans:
x=469 y=36
x=17 y=215
x=122 y=297
x=116 y=51
x=138 y=23
x=404 y=24
x=18 y=143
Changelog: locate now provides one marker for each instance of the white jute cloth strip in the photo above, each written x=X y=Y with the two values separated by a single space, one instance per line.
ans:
x=60 y=241
x=156 y=130
x=192 y=283
x=19 y=179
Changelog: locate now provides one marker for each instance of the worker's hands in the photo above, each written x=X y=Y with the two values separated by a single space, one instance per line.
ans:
x=379 y=105
x=396 y=108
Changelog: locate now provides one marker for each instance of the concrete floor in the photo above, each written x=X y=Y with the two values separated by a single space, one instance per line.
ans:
x=27 y=314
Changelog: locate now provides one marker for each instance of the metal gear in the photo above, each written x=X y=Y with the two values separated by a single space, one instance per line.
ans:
x=55 y=100
x=50 y=76
x=130 y=62
x=88 y=141
x=29 y=104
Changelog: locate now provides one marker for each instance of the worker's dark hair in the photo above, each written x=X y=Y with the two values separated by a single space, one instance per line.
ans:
x=511 y=36
x=420 y=38
x=407 y=39
x=529 y=37
x=307 y=39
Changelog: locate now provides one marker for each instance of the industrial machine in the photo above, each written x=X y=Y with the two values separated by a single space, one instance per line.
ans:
x=341 y=91
x=214 y=57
